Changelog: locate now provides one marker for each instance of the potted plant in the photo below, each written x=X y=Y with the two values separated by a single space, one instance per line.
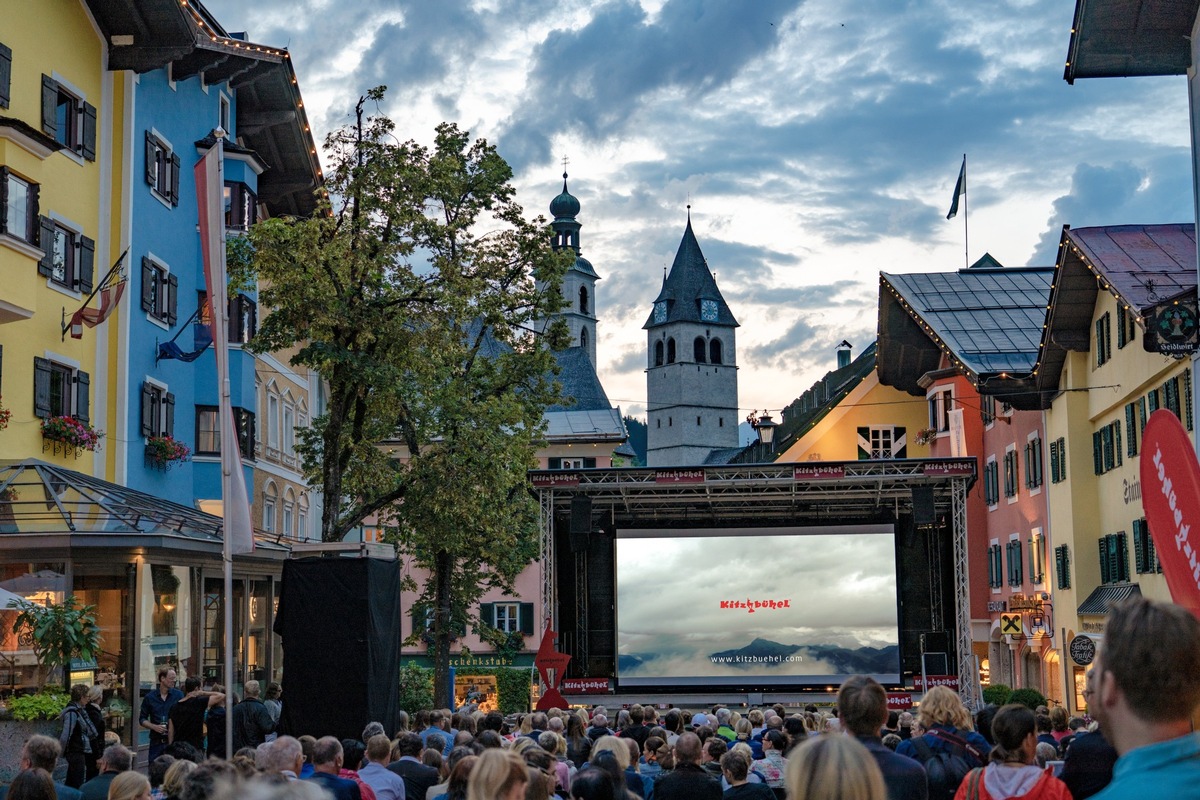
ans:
x=5 y=415
x=60 y=632
x=925 y=435
x=72 y=432
x=163 y=451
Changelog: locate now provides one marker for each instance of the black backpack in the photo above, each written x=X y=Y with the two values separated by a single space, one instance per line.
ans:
x=946 y=769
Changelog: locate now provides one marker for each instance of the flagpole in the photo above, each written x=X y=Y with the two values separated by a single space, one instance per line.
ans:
x=96 y=290
x=966 y=238
x=219 y=312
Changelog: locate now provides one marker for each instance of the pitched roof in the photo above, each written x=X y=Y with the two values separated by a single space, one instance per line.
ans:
x=987 y=319
x=1140 y=265
x=580 y=382
x=822 y=397
x=689 y=282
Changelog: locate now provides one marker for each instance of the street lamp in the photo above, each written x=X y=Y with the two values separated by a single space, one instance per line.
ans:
x=764 y=426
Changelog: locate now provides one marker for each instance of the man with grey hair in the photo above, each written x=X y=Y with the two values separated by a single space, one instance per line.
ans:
x=599 y=727
x=372 y=729
x=327 y=763
x=285 y=755
x=252 y=720
x=723 y=728
x=116 y=759
x=42 y=752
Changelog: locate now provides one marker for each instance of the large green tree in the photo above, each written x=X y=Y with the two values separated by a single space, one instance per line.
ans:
x=413 y=295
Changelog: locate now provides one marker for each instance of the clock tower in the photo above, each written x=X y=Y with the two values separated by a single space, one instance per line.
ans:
x=691 y=370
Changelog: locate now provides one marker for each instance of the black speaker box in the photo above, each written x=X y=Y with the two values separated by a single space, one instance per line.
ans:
x=581 y=522
x=924 y=512
x=340 y=622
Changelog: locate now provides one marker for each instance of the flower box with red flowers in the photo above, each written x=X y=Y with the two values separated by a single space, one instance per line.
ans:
x=71 y=432
x=163 y=451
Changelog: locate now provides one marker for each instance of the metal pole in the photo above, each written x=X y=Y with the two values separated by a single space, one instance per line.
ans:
x=966 y=240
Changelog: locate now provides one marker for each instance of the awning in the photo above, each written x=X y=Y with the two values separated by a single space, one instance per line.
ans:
x=1109 y=594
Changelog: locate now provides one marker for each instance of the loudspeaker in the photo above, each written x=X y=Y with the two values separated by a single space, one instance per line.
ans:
x=924 y=512
x=340 y=622
x=581 y=522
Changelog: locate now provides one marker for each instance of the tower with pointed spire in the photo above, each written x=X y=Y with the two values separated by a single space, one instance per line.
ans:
x=691 y=370
x=579 y=284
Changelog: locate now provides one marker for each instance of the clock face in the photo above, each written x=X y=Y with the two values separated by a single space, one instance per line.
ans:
x=708 y=310
x=660 y=311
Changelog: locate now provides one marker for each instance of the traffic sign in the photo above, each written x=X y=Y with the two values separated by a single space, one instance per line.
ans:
x=1010 y=624
x=1083 y=650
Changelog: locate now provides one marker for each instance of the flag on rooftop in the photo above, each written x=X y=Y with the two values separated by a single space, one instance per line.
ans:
x=960 y=189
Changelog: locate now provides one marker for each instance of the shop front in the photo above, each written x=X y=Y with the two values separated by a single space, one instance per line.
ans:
x=152 y=570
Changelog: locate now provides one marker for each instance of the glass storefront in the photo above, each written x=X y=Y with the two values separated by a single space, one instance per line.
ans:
x=38 y=583
x=110 y=594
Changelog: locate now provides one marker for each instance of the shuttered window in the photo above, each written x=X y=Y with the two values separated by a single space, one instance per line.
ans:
x=158 y=411
x=1144 y=558
x=1062 y=566
x=1114 y=558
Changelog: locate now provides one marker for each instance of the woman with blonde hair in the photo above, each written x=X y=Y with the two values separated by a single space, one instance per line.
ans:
x=129 y=785
x=172 y=785
x=947 y=730
x=499 y=774
x=834 y=768
x=614 y=745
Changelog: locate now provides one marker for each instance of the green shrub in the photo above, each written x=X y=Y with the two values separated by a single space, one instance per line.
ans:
x=43 y=705
x=1030 y=698
x=997 y=694
x=512 y=687
x=416 y=688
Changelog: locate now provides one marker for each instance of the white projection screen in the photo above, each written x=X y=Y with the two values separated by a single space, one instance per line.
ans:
x=756 y=607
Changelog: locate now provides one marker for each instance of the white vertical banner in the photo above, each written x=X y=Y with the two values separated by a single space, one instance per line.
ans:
x=958 y=437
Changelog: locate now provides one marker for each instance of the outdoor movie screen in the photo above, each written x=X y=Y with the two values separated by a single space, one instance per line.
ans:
x=753 y=607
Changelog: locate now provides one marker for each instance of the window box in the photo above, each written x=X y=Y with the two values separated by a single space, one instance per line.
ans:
x=70 y=433
x=164 y=451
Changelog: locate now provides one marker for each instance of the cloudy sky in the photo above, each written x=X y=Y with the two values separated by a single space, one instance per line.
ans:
x=841 y=589
x=818 y=142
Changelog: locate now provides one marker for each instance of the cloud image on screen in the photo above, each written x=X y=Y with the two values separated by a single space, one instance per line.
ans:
x=766 y=606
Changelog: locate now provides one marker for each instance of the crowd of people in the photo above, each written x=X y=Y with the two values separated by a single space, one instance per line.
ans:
x=1142 y=692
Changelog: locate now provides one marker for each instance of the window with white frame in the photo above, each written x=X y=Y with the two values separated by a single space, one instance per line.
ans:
x=162 y=168
x=270 y=497
x=507 y=617
x=18 y=206
x=289 y=429
x=224 y=118
x=302 y=518
x=882 y=440
x=272 y=421
x=160 y=290
x=68 y=118
x=1037 y=556
x=289 y=513
x=60 y=390
x=158 y=410
x=941 y=403
x=68 y=257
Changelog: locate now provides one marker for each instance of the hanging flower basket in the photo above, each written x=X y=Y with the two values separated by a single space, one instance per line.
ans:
x=71 y=432
x=926 y=435
x=5 y=415
x=163 y=451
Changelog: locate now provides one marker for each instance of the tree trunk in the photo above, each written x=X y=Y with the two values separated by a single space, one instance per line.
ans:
x=441 y=630
x=331 y=475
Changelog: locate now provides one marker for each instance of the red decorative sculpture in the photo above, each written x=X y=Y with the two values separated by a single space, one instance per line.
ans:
x=552 y=666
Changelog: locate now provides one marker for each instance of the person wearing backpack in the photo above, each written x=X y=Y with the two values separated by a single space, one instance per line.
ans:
x=1012 y=773
x=949 y=748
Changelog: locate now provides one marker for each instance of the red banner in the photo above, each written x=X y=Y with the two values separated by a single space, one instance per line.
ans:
x=899 y=701
x=949 y=681
x=1171 y=500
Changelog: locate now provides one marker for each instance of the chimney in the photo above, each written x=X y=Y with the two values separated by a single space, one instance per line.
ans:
x=843 y=354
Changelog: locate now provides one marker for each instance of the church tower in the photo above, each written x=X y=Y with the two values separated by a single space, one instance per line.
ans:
x=691 y=371
x=579 y=284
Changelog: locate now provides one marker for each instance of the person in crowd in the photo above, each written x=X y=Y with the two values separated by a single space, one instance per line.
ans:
x=711 y=753
x=353 y=752
x=554 y=744
x=32 y=784
x=498 y=775
x=636 y=729
x=185 y=721
x=1088 y=762
x=203 y=782
x=651 y=767
x=156 y=710
x=115 y=760
x=542 y=772
x=328 y=758
x=77 y=736
x=599 y=727
x=1013 y=772
x=1043 y=730
x=95 y=713
x=374 y=772
x=736 y=770
x=744 y=732
x=417 y=776
x=606 y=760
x=594 y=784
x=432 y=757
x=307 y=743
x=157 y=773
x=947 y=730
x=284 y=756
x=488 y=739
x=272 y=699
x=1058 y=724
x=772 y=765
x=834 y=768
x=689 y=780
x=724 y=729
x=129 y=786
x=251 y=719
x=174 y=779
x=460 y=774
x=1074 y=726
x=758 y=721
x=891 y=741
x=1044 y=754
x=891 y=726
x=1147 y=687
x=215 y=723
x=579 y=743
x=905 y=725
x=619 y=750
x=862 y=707
x=42 y=752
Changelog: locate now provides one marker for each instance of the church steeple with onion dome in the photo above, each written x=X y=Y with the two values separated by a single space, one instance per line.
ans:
x=579 y=284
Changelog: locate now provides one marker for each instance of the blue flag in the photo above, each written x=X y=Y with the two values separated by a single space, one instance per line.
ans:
x=960 y=189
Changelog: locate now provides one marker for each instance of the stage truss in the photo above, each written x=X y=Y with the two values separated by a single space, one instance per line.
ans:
x=812 y=492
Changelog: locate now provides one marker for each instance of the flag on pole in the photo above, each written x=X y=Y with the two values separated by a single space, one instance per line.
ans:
x=239 y=533
x=111 y=290
x=960 y=189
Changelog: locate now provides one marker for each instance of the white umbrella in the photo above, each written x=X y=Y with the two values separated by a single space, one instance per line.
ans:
x=7 y=597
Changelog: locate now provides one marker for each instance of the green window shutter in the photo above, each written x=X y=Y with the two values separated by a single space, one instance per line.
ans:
x=175 y=169
x=151 y=150
x=5 y=76
x=526 y=615
x=1054 y=476
x=41 y=387
x=1187 y=398
x=1116 y=427
x=1121 y=327
x=991 y=569
x=87 y=264
x=89 y=132
x=148 y=285
x=1152 y=400
x=148 y=421
x=83 y=386
x=49 y=106
x=589 y=463
x=864 y=443
x=1139 y=555
x=1062 y=565
x=1141 y=404
x=46 y=241
x=1130 y=425
x=487 y=614
x=554 y=463
x=172 y=290
x=169 y=407
x=1122 y=552
x=1098 y=453
x=1105 y=577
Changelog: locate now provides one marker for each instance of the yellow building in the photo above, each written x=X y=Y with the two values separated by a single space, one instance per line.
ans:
x=283 y=503
x=850 y=415
x=60 y=146
x=1098 y=383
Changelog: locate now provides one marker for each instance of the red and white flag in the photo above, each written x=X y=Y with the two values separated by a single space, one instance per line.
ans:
x=239 y=532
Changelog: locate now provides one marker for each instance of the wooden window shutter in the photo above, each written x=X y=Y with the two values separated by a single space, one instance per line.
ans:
x=4 y=201
x=49 y=106
x=1098 y=453
x=526 y=614
x=1116 y=435
x=487 y=614
x=864 y=443
x=1122 y=553
x=174 y=179
x=30 y=232
x=151 y=159
x=148 y=421
x=172 y=288
x=1 y=369
x=148 y=279
x=1131 y=426
x=589 y=463
x=87 y=264
x=46 y=242
x=41 y=387
x=169 y=408
x=89 y=132
x=83 y=406
x=554 y=463
x=5 y=76
x=1105 y=577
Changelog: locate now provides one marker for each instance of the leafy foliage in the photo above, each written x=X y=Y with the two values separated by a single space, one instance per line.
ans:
x=997 y=694
x=1030 y=698
x=42 y=705
x=512 y=687
x=416 y=688
x=60 y=631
